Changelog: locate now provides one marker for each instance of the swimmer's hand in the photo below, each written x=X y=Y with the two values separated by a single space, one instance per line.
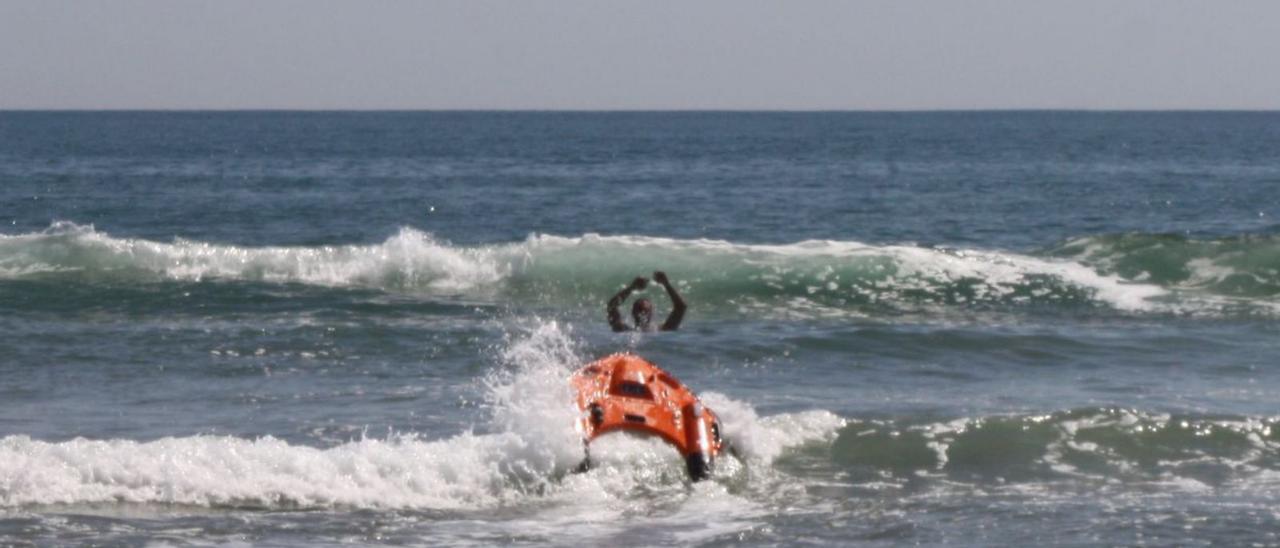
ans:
x=639 y=283
x=661 y=277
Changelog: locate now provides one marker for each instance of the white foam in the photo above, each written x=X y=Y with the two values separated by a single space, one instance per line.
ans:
x=531 y=396
x=410 y=259
x=812 y=278
x=525 y=449
x=530 y=443
x=463 y=471
x=762 y=440
x=1208 y=272
x=998 y=273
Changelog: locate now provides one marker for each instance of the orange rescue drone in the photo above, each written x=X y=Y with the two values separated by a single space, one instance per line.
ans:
x=625 y=392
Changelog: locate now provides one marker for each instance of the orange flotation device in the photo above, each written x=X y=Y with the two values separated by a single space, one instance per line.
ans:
x=625 y=392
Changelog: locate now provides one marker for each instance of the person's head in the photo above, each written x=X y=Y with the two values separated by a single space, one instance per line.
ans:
x=642 y=313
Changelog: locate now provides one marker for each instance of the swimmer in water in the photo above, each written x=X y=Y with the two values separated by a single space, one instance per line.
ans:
x=642 y=309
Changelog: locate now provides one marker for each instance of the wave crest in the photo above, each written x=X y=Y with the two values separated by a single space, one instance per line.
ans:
x=409 y=260
x=1134 y=273
x=1237 y=266
x=527 y=446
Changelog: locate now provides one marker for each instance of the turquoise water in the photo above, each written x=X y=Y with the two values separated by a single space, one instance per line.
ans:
x=349 y=328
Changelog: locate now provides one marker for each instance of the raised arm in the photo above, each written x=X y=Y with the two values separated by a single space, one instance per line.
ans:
x=677 y=304
x=615 y=317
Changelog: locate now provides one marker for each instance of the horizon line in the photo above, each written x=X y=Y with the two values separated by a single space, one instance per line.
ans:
x=648 y=110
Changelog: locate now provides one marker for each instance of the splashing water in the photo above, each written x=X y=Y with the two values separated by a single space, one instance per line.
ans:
x=526 y=449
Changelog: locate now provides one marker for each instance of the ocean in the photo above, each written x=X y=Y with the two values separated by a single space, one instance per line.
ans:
x=349 y=328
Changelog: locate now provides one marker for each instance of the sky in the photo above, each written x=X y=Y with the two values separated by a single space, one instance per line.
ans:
x=640 y=54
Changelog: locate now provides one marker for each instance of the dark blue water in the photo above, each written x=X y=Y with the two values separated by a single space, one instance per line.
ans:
x=347 y=328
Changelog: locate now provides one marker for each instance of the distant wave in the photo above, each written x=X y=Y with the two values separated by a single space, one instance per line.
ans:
x=1131 y=273
x=409 y=260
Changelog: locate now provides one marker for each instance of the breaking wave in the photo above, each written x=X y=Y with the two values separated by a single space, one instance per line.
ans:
x=1131 y=273
x=525 y=448
x=1246 y=266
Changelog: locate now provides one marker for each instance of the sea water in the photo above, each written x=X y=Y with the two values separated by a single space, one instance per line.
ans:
x=301 y=329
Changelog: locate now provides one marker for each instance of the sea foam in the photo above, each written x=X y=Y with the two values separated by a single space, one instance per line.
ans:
x=811 y=278
x=525 y=446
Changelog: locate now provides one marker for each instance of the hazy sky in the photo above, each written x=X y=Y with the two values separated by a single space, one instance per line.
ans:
x=641 y=54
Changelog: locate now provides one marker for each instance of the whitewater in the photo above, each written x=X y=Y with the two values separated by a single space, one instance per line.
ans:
x=808 y=277
x=329 y=329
